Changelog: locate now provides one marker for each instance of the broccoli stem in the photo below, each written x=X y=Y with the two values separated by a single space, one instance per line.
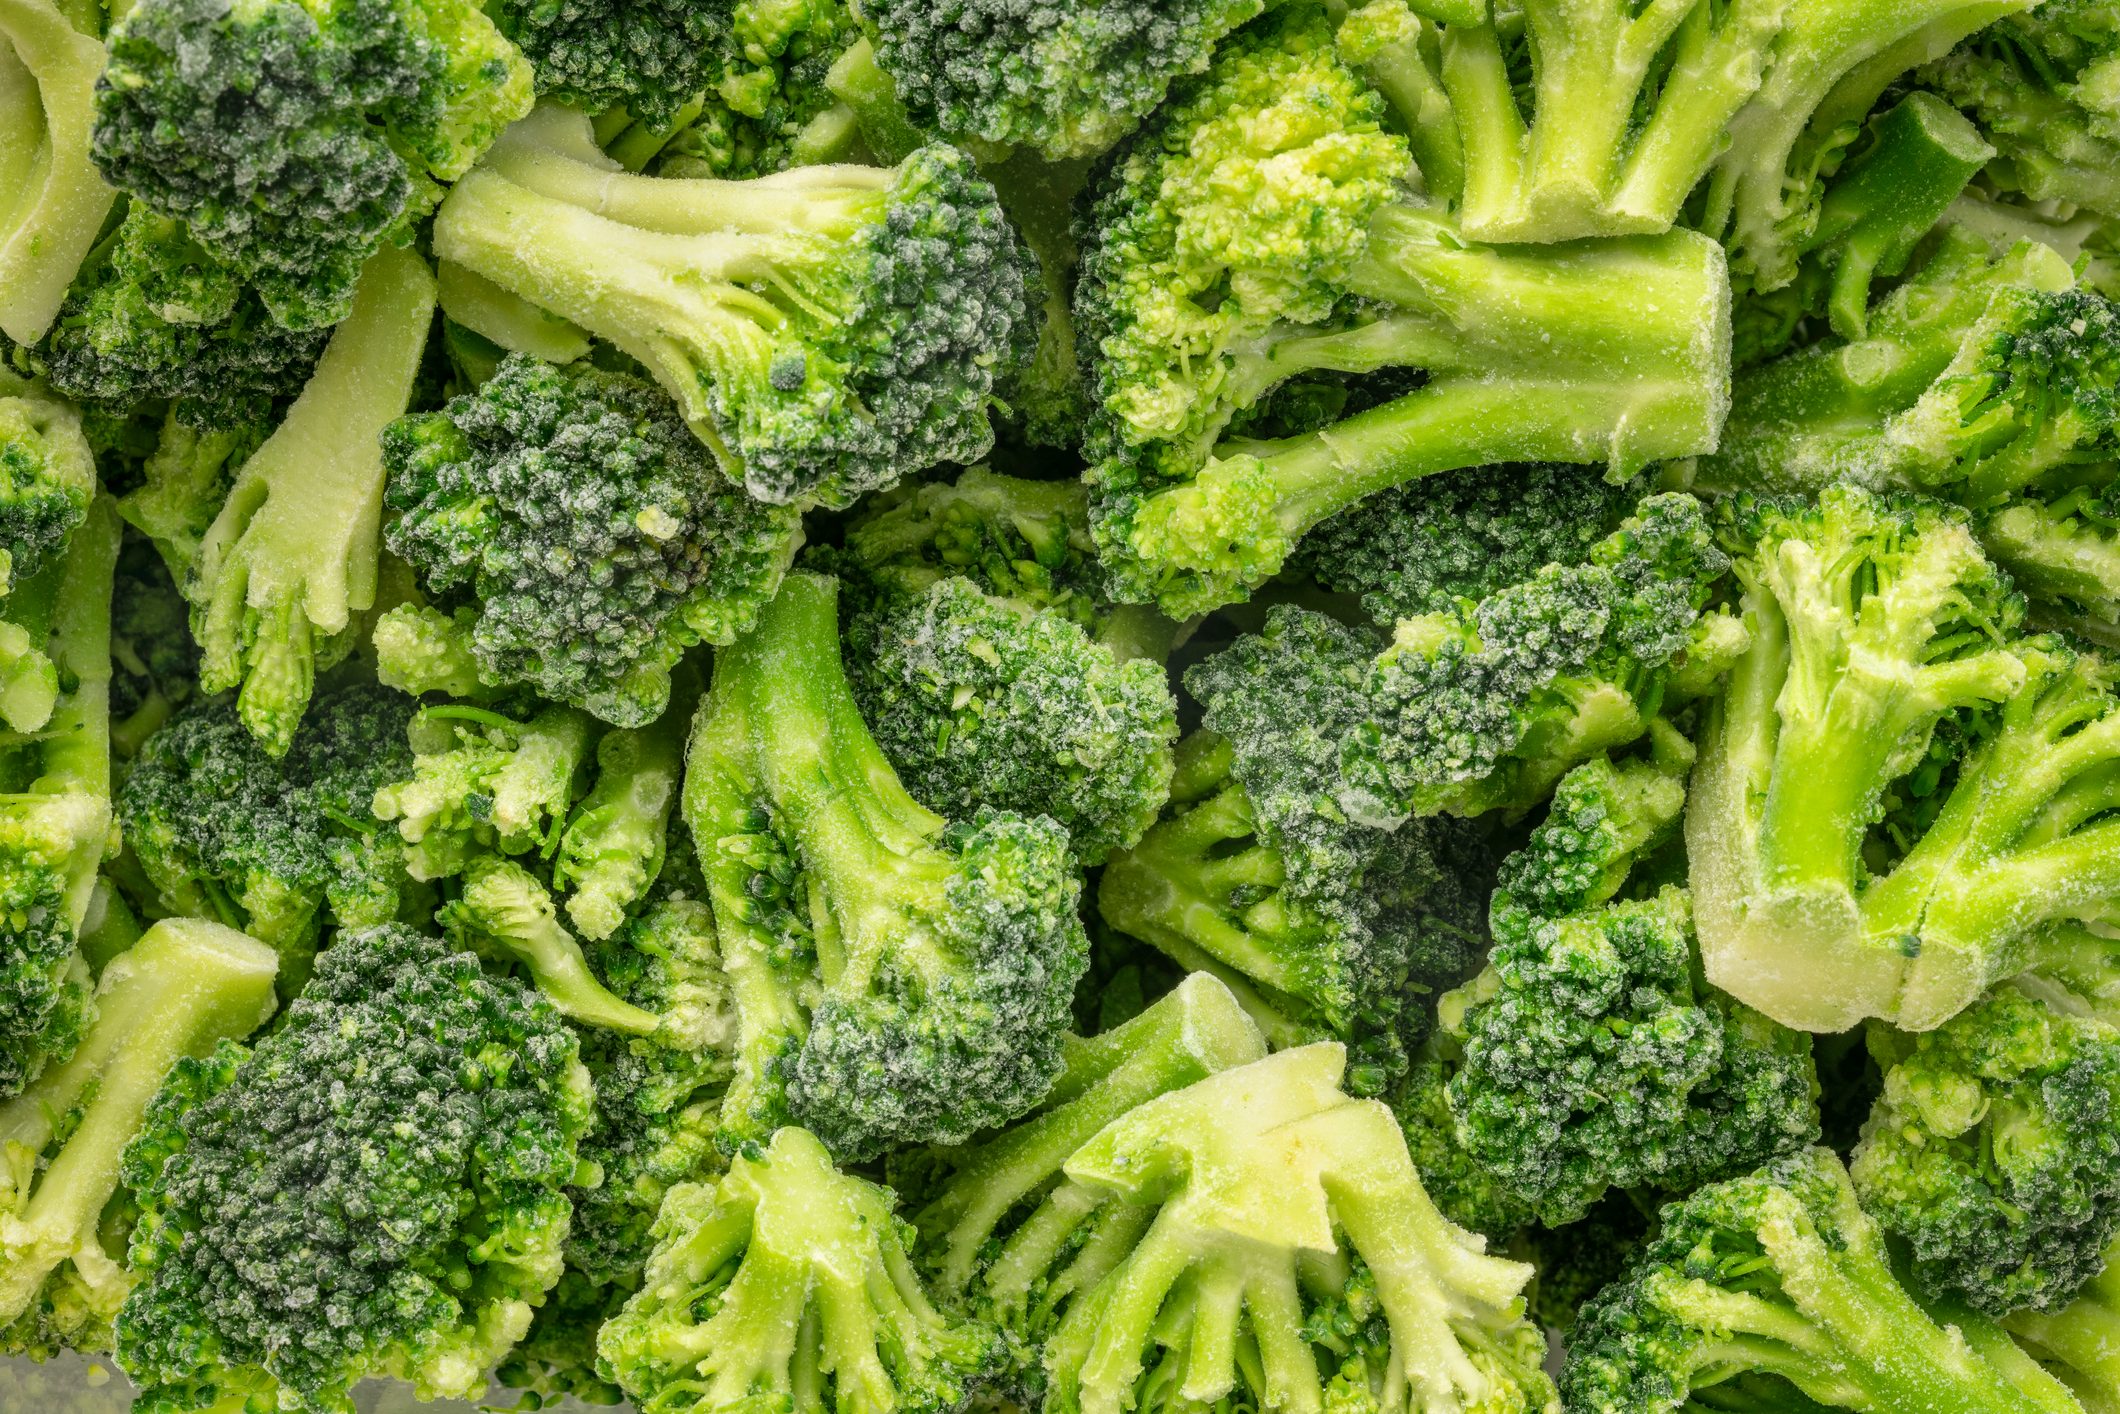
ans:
x=2084 y=1336
x=184 y=987
x=52 y=198
x=503 y=906
x=613 y=847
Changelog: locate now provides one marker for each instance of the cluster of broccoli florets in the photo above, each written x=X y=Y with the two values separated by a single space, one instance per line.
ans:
x=1131 y=707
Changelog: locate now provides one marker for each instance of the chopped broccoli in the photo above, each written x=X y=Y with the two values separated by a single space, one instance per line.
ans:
x=55 y=200
x=2080 y=1342
x=47 y=477
x=896 y=979
x=832 y=328
x=423 y=1120
x=591 y=532
x=482 y=782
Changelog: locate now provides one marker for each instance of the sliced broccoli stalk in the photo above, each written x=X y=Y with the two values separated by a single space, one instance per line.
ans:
x=55 y=817
x=613 y=847
x=788 y=1280
x=1990 y=1156
x=291 y=556
x=185 y=987
x=1779 y=1277
x=913 y=979
x=834 y=327
x=482 y=782
x=1871 y=619
x=2080 y=1342
x=55 y=200
x=47 y=477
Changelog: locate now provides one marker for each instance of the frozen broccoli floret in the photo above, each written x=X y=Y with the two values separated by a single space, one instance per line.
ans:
x=47 y=477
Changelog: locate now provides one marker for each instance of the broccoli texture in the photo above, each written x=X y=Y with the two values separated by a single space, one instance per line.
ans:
x=593 y=533
x=175 y=994
x=55 y=200
x=832 y=328
x=47 y=477
x=486 y=783
x=2077 y=1342
x=897 y=979
x=424 y=1119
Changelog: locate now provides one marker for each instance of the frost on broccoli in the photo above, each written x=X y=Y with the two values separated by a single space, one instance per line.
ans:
x=588 y=531
x=52 y=198
x=897 y=979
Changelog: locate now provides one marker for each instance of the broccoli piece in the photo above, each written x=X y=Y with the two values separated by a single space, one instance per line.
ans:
x=47 y=477
x=615 y=842
x=2040 y=83
x=296 y=139
x=550 y=485
x=154 y=664
x=825 y=331
x=273 y=846
x=1778 y=1278
x=982 y=702
x=423 y=1120
x=787 y=1281
x=485 y=783
x=154 y=316
x=1874 y=619
x=1259 y=231
x=2080 y=1342
x=1995 y=1154
x=55 y=200
x=55 y=814
x=183 y=988
x=1591 y=1057
x=1422 y=547
x=185 y=477
x=896 y=980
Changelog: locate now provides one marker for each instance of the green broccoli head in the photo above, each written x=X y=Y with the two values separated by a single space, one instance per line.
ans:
x=651 y=59
x=1992 y=1152
x=295 y=138
x=788 y=1280
x=424 y=1120
x=982 y=701
x=273 y=846
x=591 y=531
x=832 y=329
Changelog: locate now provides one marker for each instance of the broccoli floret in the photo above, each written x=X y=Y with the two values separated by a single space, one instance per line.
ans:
x=296 y=138
x=1591 y=1057
x=422 y=1120
x=47 y=477
x=617 y=838
x=55 y=814
x=183 y=988
x=1419 y=548
x=826 y=330
x=1994 y=1152
x=1259 y=231
x=2040 y=83
x=896 y=979
x=1778 y=1278
x=594 y=532
x=1462 y=1189
x=788 y=1281
x=274 y=846
x=982 y=701
x=649 y=58
x=2079 y=1342
x=485 y=783
x=54 y=199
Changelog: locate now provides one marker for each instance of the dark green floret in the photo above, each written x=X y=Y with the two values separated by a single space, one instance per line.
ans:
x=650 y=59
x=589 y=530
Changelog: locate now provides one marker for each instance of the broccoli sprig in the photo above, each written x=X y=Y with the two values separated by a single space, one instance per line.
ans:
x=1993 y=1154
x=832 y=328
x=55 y=199
x=424 y=1119
x=182 y=989
x=47 y=477
x=1779 y=1281
x=787 y=1280
x=273 y=846
x=484 y=783
x=295 y=139
x=617 y=838
x=548 y=485
x=1259 y=230
x=55 y=814
x=896 y=980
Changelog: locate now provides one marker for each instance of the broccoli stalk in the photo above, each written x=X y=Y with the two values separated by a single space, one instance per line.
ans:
x=291 y=557
x=825 y=330
x=614 y=844
x=2081 y=1341
x=55 y=199
x=183 y=988
x=47 y=477
x=900 y=981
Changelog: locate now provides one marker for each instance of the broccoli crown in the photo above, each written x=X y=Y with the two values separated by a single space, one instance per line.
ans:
x=1779 y=1278
x=789 y=1281
x=649 y=58
x=154 y=316
x=423 y=1119
x=980 y=701
x=224 y=830
x=1422 y=547
x=47 y=477
x=827 y=331
x=765 y=103
x=292 y=137
x=1992 y=1152
x=1484 y=706
x=595 y=534
x=1068 y=81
